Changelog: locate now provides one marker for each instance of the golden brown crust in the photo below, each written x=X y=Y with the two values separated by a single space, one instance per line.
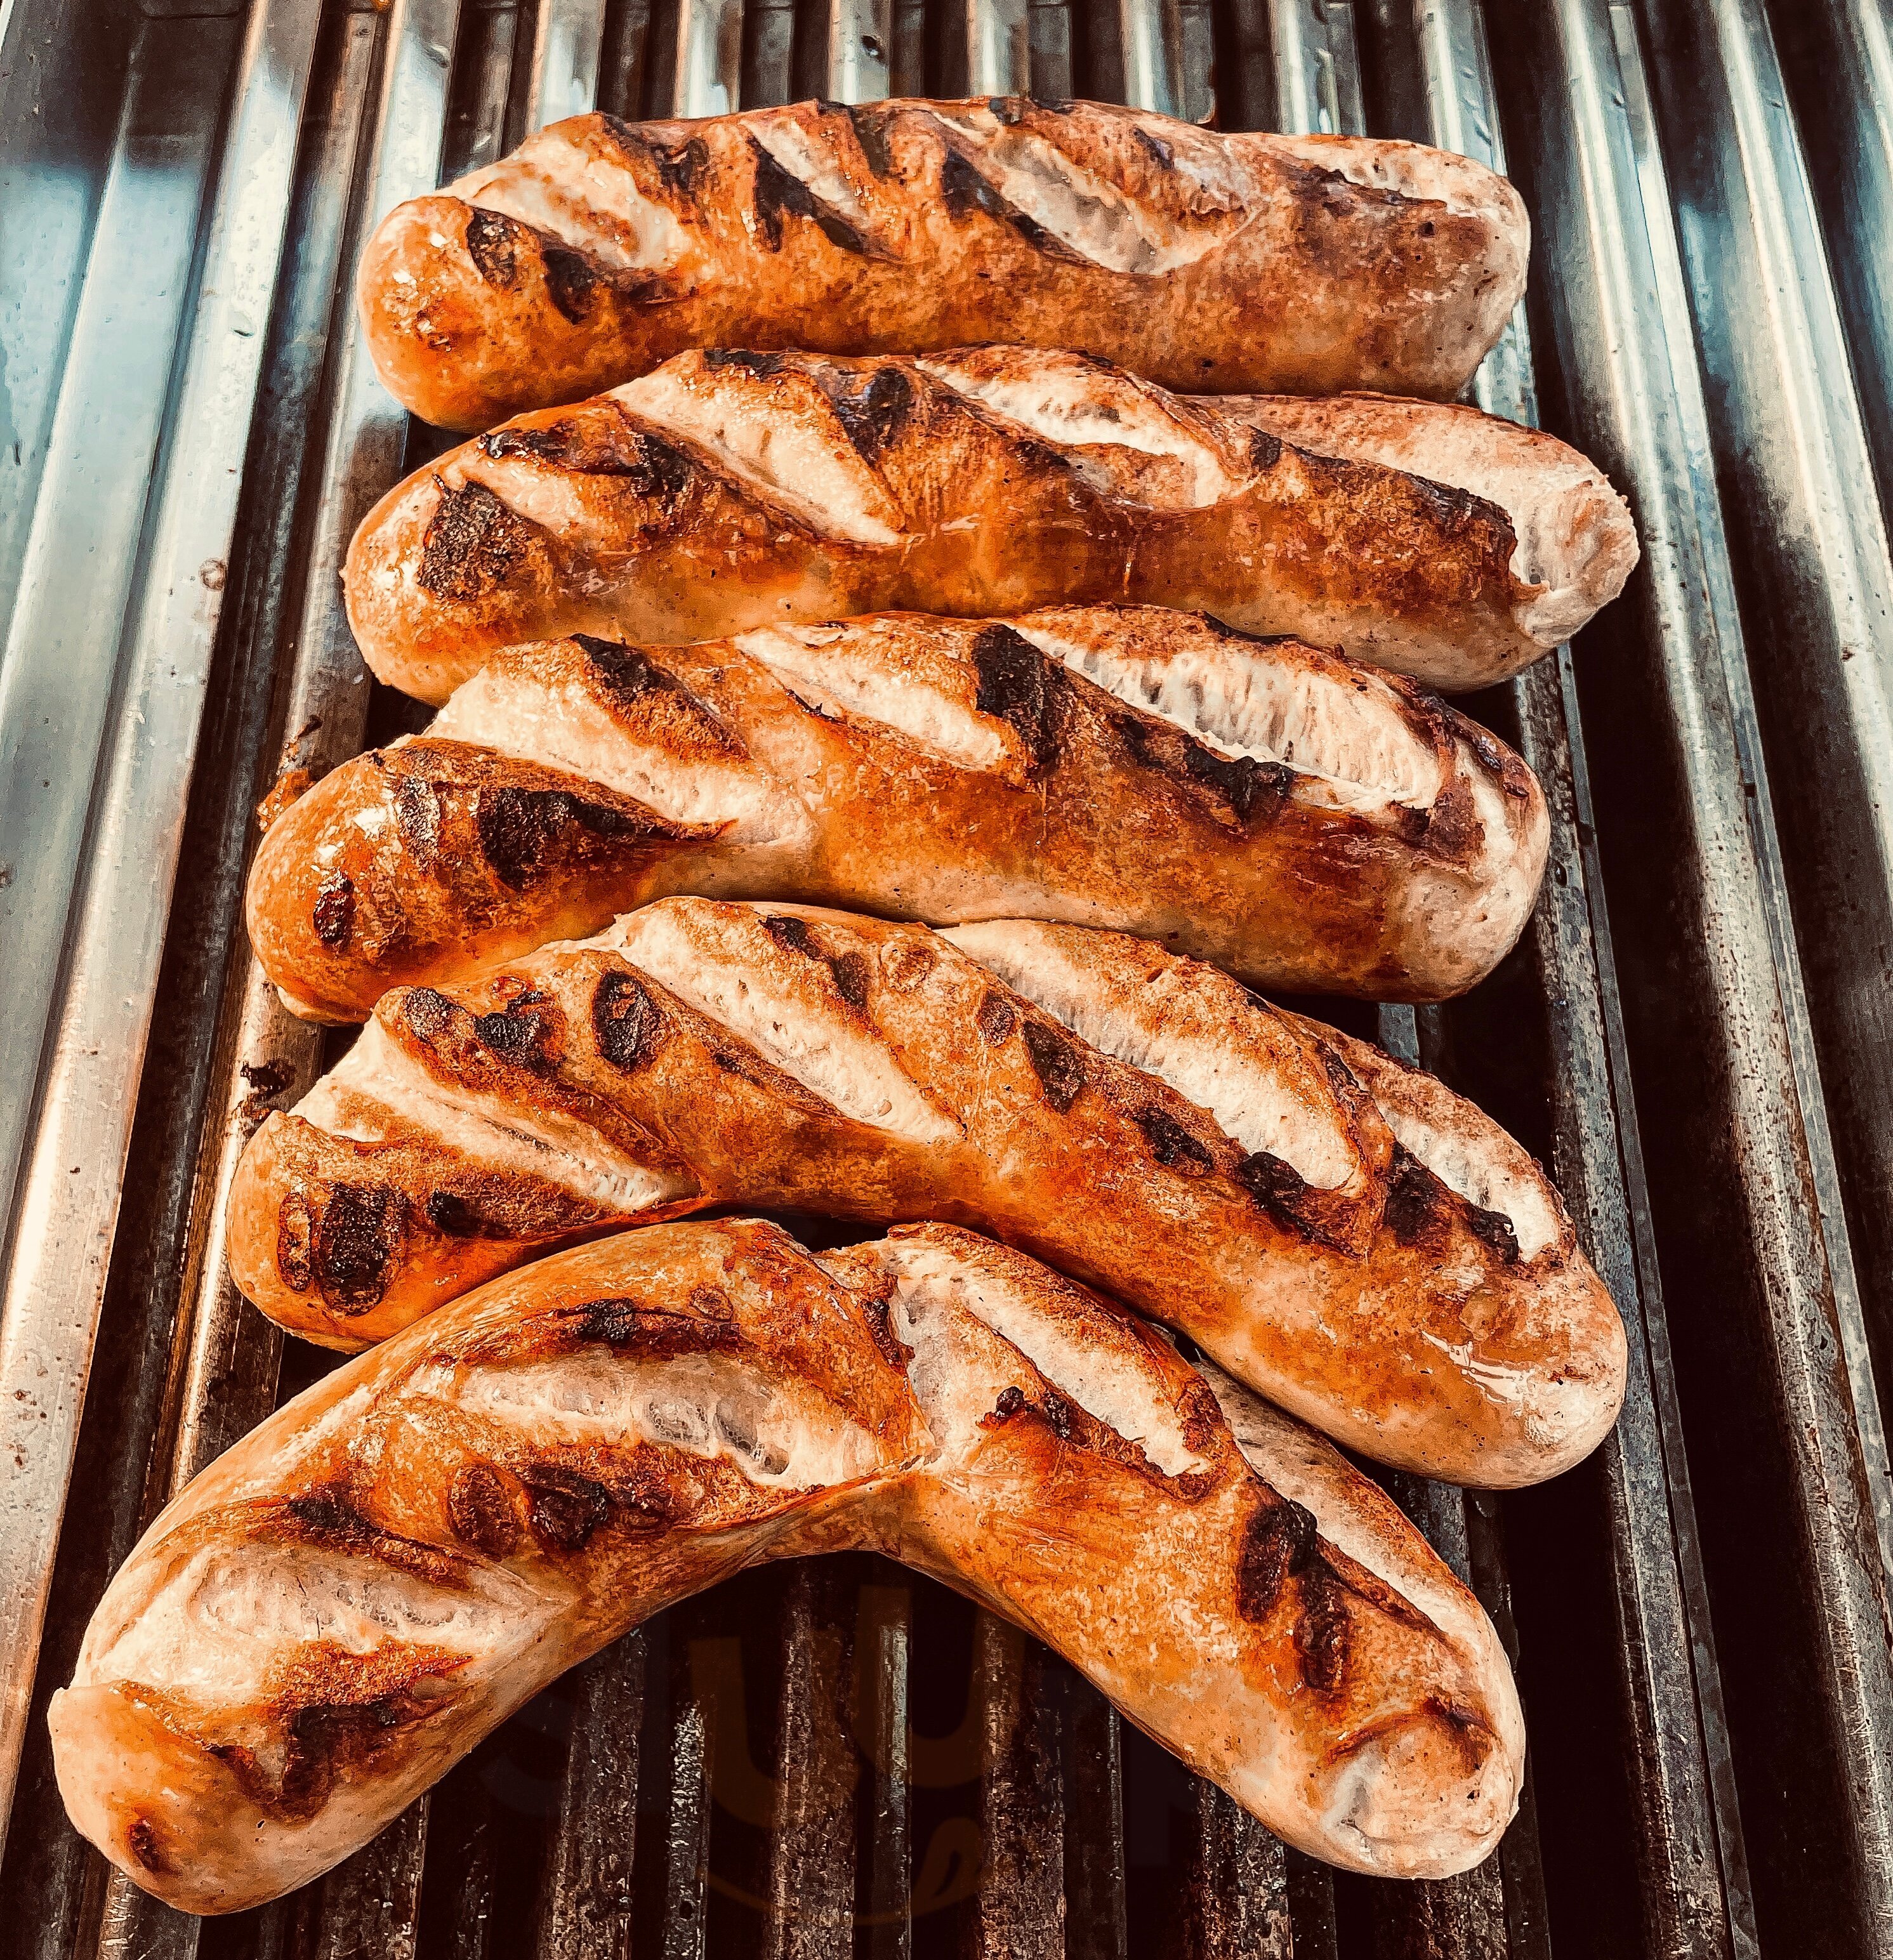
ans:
x=724 y=491
x=339 y=1607
x=1218 y=262
x=1138 y=1119
x=1307 y=823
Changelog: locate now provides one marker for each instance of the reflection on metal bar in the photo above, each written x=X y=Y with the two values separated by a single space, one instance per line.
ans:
x=1755 y=1129
x=1687 y=1798
x=224 y=1354
x=1317 y=67
x=709 y=69
x=1842 y=52
x=60 y=663
x=566 y=39
x=860 y=44
x=998 y=47
x=1150 y=77
x=70 y=1183
x=1818 y=577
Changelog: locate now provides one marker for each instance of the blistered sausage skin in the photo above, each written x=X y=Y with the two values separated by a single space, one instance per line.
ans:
x=1301 y=821
x=730 y=490
x=1212 y=262
x=1355 y=1242
x=335 y=1612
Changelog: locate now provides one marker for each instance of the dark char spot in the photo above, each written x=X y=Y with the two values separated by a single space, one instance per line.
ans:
x=851 y=975
x=996 y=1019
x=792 y=934
x=1321 y=1633
x=1057 y=1063
x=479 y=1506
x=963 y=189
x=141 y=1840
x=1245 y=786
x=1171 y=1144
x=563 y=1508
x=1415 y=1198
x=761 y=364
x=417 y=816
x=657 y=1332
x=871 y=414
x=294 y=1243
x=1018 y=684
x=779 y=192
x=1057 y=1414
x=333 y=913
x=450 y=1214
x=473 y=542
x=543 y=445
x=1278 y=1188
x=355 y=1245
x=1276 y=1543
x=492 y=243
x=626 y=672
x=626 y=1022
x=1493 y=1229
x=1264 y=450
x=1012 y=1399
x=870 y=127
x=570 y=280
x=1156 y=145
x=518 y=827
x=521 y=1032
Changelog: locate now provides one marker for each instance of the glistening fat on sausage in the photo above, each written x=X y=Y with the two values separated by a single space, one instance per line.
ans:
x=727 y=491
x=1206 y=261
x=1306 y=822
x=1344 y=1236
x=338 y=1610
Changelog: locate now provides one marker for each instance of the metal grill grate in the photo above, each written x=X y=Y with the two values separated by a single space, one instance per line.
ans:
x=837 y=1758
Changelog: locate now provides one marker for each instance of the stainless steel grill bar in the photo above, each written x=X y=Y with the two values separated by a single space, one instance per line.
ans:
x=567 y=37
x=106 y=956
x=1815 y=574
x=709 y=64
x=860 y=41
x=1744 y=1146
x=1696 y=1887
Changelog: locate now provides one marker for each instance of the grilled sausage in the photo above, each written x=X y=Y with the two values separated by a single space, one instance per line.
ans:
x=1381 y=1259
x=338 y=1609
x=1306 y=823
x=725 y=491
x=1206 y=261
